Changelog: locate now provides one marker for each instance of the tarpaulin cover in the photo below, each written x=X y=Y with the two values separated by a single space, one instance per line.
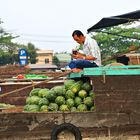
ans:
x=115 y=20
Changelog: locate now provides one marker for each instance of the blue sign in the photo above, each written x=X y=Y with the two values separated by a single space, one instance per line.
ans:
x=22 y=57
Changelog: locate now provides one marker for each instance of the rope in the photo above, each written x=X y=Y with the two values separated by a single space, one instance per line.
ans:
x=33 y=85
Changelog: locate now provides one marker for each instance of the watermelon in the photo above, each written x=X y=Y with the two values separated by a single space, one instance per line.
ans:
x=92 y=108
x=33 y=100
x=34 y=92
x=43 y=92
x=60 y=100
x=76 y=87
x=70 y=103
x=73 y=109
x=51 y=95
x=88 y=101
x=59 y=90
x=69 y=94
x=68 y=84
x=53 y=107
x=31 y=108
x=43 y=101
x=77 y=101
x=86 y=86
x=44 y=108
x=82 y=107
x=92 y=94
x=64 y=108
x=82 y=93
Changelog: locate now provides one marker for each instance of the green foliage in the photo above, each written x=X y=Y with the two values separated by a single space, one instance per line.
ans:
x=116 y=40
x=31 y=50
x=9 y=50
x=56 y=61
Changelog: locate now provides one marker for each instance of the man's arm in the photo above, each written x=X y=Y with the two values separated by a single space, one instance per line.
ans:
x=83 y=56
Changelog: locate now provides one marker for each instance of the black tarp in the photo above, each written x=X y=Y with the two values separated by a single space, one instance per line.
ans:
x=115 y=20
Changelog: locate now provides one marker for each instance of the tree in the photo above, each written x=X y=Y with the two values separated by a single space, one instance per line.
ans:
x=116 y=40
x=56 y=61
x=31 y=50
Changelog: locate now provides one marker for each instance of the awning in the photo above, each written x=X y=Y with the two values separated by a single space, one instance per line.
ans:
x=116 y=20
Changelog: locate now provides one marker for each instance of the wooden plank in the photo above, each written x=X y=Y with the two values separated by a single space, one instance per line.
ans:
x=116 y=83
x=92 y=125
x=113 y=103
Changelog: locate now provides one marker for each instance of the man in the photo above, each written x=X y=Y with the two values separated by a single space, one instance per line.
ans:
x=86 y=55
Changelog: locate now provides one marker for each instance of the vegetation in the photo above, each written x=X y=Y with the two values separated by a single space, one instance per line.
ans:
x=9 y=50
x=117 y=40
x=56 y=61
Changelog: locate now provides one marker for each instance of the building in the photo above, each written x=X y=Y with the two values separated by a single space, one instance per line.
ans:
x=64 y=59
x=134 y=58
x=44 y=56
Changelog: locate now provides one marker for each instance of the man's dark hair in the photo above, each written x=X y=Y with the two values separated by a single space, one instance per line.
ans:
x=78 y=33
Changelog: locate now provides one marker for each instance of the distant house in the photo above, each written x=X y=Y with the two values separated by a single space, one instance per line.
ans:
x=134 y=58
x=64 y=59
x=44 y=56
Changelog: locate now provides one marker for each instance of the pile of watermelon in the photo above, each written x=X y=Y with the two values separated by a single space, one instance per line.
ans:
x=72 y=96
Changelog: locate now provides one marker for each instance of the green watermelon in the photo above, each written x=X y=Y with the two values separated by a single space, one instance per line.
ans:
x=31 y=108
x=59 y=90
x=68 y=84
x=92 y=94
x=82 y=107
x=82 y=93
x=69 y=94
x=60 y=100
x=70 y=103
x=28 y=100
x=44 y=108
x=86 y=86
x=33 y=100
x=77 y=101
x=43 y=92
x=43 y=101
x=73 y=109
x=34 y=92
x=88 y=101
x=92 y=108
x=51 y=95
x=53 y=107
x=76 y=87
x=64 y=108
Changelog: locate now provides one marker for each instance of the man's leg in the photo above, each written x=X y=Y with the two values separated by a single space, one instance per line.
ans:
x=85 y=64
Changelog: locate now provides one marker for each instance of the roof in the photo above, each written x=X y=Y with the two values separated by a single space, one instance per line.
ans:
x=115 y=20
x=44 y=51
x=42 y=66
x=63 y=57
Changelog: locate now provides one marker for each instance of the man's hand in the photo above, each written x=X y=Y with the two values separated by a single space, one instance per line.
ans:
x=78 y=56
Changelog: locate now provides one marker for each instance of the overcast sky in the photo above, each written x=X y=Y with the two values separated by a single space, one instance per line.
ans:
x=48 y=24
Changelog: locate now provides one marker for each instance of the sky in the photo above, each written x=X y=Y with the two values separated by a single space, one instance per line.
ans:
x=48 y=24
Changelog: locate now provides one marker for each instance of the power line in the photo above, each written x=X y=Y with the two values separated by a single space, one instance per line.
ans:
x=47 y=41
x=39 y=35
x=43 y=35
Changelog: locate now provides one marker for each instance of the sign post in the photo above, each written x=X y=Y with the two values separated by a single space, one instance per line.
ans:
x=22 y=57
